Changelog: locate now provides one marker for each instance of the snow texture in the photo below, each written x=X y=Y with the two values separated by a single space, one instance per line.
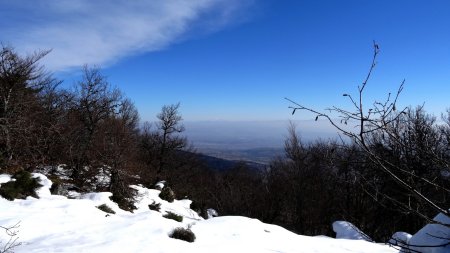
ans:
x=55 y=223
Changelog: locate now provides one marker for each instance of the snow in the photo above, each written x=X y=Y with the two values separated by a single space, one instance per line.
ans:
x=57 y=224
x=44 y=191
x=432 y=235
x=400 y=239
x=241 y=234
x=211 y=213
x=160 y=185
x=346 y=230
x=4 y=178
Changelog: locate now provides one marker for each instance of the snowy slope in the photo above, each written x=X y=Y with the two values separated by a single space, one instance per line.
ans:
x=57 y=224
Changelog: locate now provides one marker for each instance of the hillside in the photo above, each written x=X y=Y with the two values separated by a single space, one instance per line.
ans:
x=55 y=223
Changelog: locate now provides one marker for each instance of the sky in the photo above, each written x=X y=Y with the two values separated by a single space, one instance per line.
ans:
x=236 y=60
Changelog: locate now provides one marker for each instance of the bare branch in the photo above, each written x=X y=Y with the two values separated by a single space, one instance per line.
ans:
x=12 y=232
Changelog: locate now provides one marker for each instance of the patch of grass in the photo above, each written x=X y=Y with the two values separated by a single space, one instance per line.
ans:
x=167 y=194
x=23 y=186
x=105 y=208
x=155 y=206
x=173 y=216
x=183 y=234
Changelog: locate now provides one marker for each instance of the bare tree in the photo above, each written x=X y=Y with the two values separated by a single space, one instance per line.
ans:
x=14 y=80
x=381 y=117
x=93 y=102
x=22 y=80
x=169 y=126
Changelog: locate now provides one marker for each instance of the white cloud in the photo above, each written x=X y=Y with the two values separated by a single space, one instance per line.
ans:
x=102 y=32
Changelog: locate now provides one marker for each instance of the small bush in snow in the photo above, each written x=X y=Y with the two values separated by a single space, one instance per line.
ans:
x=106 y=209
x=183 y=234
x=167 y=194
x=155 y=206
x=59 y=186
x=196 y=206
x=23 y=186
x=173 y=216
x=124 y=203
x=55 y=189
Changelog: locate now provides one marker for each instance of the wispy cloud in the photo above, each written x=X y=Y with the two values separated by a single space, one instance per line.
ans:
x=102 y=32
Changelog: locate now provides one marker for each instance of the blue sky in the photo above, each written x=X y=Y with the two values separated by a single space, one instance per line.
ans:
x=238 y=59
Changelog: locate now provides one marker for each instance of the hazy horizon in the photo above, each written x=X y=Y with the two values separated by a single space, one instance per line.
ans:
x=239 y=135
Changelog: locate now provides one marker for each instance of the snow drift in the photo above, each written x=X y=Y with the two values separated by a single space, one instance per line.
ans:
x=433 y=238
x=346 y=230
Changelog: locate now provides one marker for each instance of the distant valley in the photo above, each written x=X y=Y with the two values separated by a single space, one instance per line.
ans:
x=252 y=141
x=257 y=155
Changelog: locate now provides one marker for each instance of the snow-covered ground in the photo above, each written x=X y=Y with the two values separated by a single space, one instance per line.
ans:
x=57 y=224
